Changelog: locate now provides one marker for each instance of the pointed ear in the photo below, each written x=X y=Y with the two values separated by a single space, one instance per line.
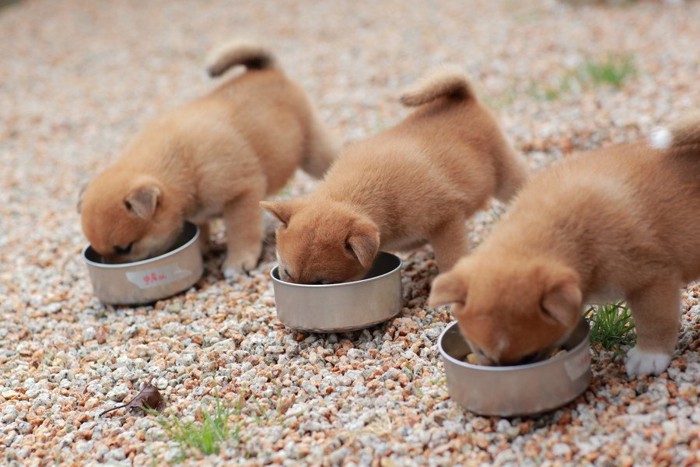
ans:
x=363 y=242
x=562 y=301
x=447 y=288
x=143 y=200
x=282 y=210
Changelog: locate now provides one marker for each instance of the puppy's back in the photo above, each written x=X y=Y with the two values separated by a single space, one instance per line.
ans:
x=630 y=207
x=271 y=112
x=449 y=115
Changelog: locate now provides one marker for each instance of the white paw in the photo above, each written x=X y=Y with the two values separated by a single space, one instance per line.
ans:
x=233 y=266
x=640 y=362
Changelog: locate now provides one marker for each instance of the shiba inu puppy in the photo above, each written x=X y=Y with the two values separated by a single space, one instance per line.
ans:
x=620 y=222
x=219 y=155
x=414 y=183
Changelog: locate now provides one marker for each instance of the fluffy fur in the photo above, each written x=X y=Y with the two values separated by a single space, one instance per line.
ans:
x=219 y=155
x=615 y=223
x=418 y=181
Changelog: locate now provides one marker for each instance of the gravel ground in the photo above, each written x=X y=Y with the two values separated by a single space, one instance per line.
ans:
x=78 y=78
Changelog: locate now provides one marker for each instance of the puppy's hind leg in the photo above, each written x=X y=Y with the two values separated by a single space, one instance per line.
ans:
x=449 y=243
x=322 y=148
x=244 y=230
x=656 y=313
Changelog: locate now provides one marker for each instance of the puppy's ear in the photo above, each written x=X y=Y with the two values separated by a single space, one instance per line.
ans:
x=562 y=300
x=363 y=242
x=143 y=200
x=282 y=210
x=448 y=288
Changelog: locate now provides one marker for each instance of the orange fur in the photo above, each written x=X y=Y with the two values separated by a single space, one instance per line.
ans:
x=418 y=181
x=616 y=223
x=218 y=155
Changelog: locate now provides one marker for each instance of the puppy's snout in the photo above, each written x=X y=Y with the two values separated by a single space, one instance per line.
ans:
x=112 y=259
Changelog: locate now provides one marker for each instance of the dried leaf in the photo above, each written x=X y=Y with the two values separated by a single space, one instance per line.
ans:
x=148 y=398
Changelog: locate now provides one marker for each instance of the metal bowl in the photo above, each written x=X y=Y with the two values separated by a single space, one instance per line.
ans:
x=516 y=390
x=151 y=279
x=341 y=307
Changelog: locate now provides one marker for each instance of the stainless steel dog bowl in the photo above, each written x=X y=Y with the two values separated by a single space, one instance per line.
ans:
x=341 y=307
x=516 y=390
x=151 y=279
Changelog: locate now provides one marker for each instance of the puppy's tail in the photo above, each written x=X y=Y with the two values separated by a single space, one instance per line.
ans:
x=445 y=81
x=238 y=52
x=684 y=132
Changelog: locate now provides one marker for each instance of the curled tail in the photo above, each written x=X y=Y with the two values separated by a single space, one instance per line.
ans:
x=249 y=54
x=684 y=132
x=445 y=81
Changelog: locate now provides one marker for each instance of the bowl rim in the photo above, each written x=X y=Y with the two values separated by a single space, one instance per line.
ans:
x=341 y=284
x=165 y=255
x=511 y=368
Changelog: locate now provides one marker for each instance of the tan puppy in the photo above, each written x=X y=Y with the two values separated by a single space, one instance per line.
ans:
x=621 y=222
x=418 y=181
x=218 y=155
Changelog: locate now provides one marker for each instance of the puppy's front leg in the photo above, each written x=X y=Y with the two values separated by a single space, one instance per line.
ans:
x=656 y=313
x=244 y=231
x=449 y=243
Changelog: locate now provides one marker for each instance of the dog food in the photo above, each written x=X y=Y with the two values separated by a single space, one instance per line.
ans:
x=472 y=359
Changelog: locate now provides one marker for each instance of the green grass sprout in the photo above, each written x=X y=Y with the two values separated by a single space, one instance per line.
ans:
x=611 y=326
x=206 y=436
x=612 y=70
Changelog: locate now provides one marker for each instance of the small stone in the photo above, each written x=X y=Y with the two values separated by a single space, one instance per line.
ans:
x=561 y=450
x=174 y=307
x=89 y=334
x=118 y=393
x=10 y=394
x=161 y=383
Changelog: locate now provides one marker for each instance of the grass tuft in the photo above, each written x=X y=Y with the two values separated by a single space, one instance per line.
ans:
x=613 y=70
x=611 y=326
x=206 y=436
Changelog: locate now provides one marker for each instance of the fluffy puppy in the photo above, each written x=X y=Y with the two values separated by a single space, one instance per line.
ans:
x=219 y=155
x=616 y=223
x=414 y=183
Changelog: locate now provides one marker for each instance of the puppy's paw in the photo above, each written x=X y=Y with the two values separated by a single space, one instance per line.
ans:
x=640 y=362
x=239 y=264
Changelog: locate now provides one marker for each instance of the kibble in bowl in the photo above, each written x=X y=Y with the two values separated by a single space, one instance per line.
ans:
x=472 y=358
x=515 y=390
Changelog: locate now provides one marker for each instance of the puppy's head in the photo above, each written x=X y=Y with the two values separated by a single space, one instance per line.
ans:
x=509 y=310
x=323 y=241
x=128 y=217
